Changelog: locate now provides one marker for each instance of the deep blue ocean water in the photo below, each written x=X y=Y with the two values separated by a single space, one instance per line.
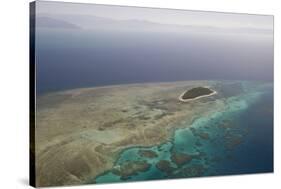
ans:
x=67 y=59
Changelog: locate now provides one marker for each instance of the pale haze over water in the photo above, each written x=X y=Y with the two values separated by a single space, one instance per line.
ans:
x=80 y=45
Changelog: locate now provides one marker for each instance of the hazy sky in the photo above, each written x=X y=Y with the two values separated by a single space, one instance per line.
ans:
x=164 y=16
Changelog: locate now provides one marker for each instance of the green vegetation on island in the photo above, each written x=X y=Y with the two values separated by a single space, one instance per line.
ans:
x=196 y=92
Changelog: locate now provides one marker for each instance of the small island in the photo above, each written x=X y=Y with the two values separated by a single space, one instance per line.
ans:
x=196 y=93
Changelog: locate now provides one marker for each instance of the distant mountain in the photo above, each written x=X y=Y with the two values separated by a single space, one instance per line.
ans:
x=47 y=22
x=95 y=22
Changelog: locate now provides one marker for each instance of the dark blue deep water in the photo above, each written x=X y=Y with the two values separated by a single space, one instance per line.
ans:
x=67 y=59
x=256 y=153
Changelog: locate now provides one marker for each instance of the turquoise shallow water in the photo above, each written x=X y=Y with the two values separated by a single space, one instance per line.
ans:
x=237 y=140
